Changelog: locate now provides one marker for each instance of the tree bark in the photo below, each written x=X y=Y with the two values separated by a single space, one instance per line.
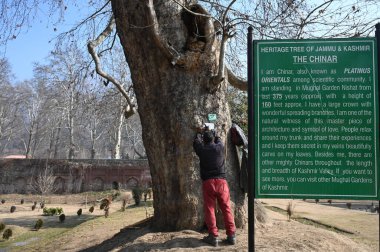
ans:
x=93 y=140
x=71 y=123
x=118 y=131
x=172 y=100
x=57 y=140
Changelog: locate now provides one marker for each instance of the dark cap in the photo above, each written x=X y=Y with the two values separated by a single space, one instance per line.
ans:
x=208 y=136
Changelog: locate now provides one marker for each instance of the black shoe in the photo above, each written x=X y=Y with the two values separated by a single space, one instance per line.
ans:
x=212 y=240
x=231 y=239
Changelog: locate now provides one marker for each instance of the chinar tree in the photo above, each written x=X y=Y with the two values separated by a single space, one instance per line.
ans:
x=177 y=69
x=176 y=53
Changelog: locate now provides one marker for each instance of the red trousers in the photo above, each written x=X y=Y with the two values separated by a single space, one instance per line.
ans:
x=217 y=189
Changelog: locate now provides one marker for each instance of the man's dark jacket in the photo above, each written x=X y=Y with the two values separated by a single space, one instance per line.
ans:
x=211 y=157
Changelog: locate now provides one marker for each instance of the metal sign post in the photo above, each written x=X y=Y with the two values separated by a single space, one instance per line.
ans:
x=251 y=148
x=377 y=35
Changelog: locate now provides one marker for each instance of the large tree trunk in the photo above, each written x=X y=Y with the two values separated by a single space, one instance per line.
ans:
x=172 y=101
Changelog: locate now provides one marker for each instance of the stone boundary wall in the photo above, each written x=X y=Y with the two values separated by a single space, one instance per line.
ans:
x=72 y=176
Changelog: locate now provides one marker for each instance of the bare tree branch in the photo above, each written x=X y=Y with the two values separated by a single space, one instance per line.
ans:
x=236 y=81
x=226 y=11
x=226 y=26
x=304 y=20
x=91 y=48
x=138 y=153
x=43 y=182
x=163 y=45
x=101 y=10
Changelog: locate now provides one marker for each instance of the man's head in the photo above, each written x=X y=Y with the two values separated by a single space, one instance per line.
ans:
x=208 y=137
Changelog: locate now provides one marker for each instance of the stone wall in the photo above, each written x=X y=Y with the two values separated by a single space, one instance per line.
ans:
x=71 y=176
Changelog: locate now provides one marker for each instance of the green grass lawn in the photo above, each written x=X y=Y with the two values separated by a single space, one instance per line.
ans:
x=55 y=236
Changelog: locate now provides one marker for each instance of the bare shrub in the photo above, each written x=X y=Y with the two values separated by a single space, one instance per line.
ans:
x=137 y=192
x=105 y=204
x=2 y=226
x=290 y=210
x=260 y=213
x=43 y=182
x=62 y=218
x=349 y=205
x=126 y=198
x=38 y=224
x=7 y=234
x=124 y=204
x=149 y=192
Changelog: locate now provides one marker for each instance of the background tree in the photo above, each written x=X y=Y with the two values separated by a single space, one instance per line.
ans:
x=239 y=107
x=34 y=115
x=53 y=116
x=8 y=106
x=93 y=121
x=67 y=73
x=120 y=108
x=134 y=147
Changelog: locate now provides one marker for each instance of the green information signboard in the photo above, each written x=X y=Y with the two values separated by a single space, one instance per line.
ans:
x=316 y=119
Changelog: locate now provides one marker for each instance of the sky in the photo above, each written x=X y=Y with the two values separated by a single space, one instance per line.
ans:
x=28 y=48
x=32 y=45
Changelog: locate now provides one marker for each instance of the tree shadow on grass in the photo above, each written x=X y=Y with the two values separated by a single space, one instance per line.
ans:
x=48 y=221
x=141 y=237
x=128 y=234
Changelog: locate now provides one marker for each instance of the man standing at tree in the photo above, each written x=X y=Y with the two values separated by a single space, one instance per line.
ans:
x=210 y=151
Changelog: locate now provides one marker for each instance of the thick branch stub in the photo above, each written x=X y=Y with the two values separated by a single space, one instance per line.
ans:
x=233 y=80
x=236 y=81
x=91 y=49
